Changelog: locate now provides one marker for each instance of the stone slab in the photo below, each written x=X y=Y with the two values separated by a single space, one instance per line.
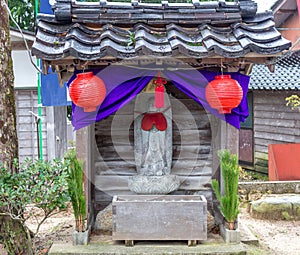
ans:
x=277 y=207
x=146 y=249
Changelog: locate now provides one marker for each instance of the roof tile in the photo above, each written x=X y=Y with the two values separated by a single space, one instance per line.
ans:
x=285 y=77
x=196 y=30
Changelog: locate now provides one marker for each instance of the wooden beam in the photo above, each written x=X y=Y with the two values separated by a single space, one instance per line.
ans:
x=20 y=45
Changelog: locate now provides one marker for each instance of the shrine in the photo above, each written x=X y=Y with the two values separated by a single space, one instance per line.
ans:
x=153 y=141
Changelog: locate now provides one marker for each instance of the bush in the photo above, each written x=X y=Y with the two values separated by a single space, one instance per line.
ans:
x=40 y=184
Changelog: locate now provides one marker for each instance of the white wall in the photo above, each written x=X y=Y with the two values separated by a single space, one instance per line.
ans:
x=24 y=72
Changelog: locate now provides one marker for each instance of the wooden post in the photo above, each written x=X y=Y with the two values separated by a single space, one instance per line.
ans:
x=84 y=152
x=57 y=141
x=50 y=133
x=215 y=124
x=224 y=136
x=232 y=138
x=229 y=141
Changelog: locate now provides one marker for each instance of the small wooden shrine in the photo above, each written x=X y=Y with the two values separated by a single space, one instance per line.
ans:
x=126 y=44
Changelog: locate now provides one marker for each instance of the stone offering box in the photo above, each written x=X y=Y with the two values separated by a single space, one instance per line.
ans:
x=159 y=217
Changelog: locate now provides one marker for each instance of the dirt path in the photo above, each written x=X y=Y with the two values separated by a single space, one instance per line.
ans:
x=281 y=237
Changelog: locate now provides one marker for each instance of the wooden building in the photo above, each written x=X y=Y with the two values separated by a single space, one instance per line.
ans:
x=54 y=136
x=270 y=120
x=203 y=35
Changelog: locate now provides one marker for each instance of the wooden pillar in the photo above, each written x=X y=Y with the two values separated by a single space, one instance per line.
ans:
x=50 y=133
x=57 y=141
x=224 y=136
x=84 y=151
x=229 y=137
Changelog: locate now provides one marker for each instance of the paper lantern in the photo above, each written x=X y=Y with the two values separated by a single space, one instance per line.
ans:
x=87 y=91
x=224 y=93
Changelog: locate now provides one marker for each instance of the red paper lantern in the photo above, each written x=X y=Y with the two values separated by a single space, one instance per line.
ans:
x=87 y=91
x=224 y=93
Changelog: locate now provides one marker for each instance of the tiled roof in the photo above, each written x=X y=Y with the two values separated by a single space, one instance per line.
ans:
x=127 y=30
x=285 y=77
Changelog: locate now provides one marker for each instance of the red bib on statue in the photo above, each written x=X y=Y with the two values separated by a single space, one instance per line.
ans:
x=157 y=119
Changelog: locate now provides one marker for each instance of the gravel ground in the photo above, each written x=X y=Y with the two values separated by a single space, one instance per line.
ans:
x=276 y=237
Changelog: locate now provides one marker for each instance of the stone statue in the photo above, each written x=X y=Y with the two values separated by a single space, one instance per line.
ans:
x=153 y=147
x=154 y=162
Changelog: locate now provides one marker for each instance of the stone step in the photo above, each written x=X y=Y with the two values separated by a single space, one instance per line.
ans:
x=147 y=248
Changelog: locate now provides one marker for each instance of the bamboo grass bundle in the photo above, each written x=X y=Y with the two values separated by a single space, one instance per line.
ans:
x=229 y=201
x=75 y=189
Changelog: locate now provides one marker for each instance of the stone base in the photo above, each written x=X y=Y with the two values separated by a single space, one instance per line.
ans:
x=164 y=184
x=230 y=236
x=159 y=217
x=81 y=238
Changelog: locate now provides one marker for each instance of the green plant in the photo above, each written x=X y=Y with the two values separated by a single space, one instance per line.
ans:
x=293 y=101
x=229 y=201
x=75 y=189
x=37 y=184
x=131 y=39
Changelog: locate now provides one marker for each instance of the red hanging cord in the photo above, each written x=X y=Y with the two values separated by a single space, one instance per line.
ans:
x=159 y=91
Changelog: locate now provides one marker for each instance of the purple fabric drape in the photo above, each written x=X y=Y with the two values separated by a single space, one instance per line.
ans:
x=194 y=86
x=124 y=83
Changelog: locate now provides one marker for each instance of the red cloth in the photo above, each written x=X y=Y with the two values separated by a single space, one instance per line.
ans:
x=159 y=96
x=156 y=118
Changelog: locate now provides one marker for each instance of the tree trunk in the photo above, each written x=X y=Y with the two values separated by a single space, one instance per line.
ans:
x=15 y=237
x=8 y=133
x=12 y=232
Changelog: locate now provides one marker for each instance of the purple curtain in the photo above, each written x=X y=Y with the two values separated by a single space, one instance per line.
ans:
x=123 y=83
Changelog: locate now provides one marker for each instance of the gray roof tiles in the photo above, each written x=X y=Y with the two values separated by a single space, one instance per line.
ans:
x=90 y=32
x=285 y=77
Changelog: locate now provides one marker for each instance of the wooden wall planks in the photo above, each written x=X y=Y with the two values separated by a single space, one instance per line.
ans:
x=114 y=161
x=274 y=122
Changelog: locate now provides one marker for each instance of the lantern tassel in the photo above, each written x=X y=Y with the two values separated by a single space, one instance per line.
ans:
x=159 y=101
x=159 y=96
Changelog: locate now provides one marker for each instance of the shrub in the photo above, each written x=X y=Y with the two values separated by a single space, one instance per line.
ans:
x=40 y=184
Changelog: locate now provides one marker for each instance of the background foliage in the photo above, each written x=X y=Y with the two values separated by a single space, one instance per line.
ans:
x=23 y=12
x=40 y=184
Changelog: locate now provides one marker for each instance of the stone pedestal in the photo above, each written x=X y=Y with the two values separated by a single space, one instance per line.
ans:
x=142 y=184
x=159 y=217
